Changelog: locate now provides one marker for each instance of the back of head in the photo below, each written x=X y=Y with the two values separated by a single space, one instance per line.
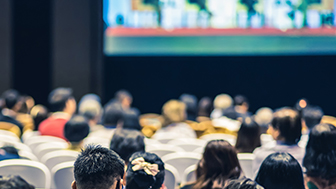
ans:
x=76 y=129
x=301 y=104
x=145 y=170
x=240 y=100
x=174 y=111
x=11 y=98
x=58 y=98
x=130 y=119
x=263 y=116
x=205 y=107
x=90 y=108
x=223 y=101
x=39 y=114
x=98 y=168
x=248 y=136
x=14 y=182
x=191 y=105
x=312 y=116
x=112 y=114
x=126 y=142
x=288 y=122
x=320 y=157
x=280 y=170
x=122 y=94
x=245 y=183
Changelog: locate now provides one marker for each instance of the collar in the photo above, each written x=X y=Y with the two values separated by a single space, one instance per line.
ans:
x=61 y=115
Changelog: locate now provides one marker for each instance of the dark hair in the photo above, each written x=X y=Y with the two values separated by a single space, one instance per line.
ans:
x=191 y=105
x=14 y=182
x=122 y=94
x=312 y=116
x=39 y=114
x=10 y=150
x=76 y=129
x=231 y=113
x=240 y=100
x=280 y=170
x=320 y=157
x=58 y=98
x=288 y=122
x=126 y=142
x=219 y=163
x=248 y=136
x=98 y=167
x=11 y=97
x=301 y=104
x=245 y=183
x=112 y=114
x=130 y=119
x=140 y=179
x=205 y=107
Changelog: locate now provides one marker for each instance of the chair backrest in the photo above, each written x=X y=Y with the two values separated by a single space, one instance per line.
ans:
x=245 y=161
x=18 y=145
x=34 y=141
x=51 y=159
x=28 y=134
x=10 y=127
x=6 y=133
x=45 y=148
x=266 y=138
x=230 y=138
x=27 y=155
x=105 y=142
x=171 y=176
x=63 y=175
x=188 y=144
x=163 y=149
x=33 y=172
x=199 y=150
x=189 y=174
x=181 y=161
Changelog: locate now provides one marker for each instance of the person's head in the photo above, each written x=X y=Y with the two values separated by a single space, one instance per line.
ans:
x=301 y=104
x=130 y=119
x=76 y=129
x=223 y=101
x=263 y=117
x=219 y=163
x=61 y=100
x=280 y=170
x=145 y=170
x=312 y=116
x=286 y=126
x=241 y=102
x=97 y=167
x=248 y=136
x=205 y=107
x=245 y=183
x=320 y=157
x=39 y=113
x=174 y=111
x=124 y=97
x=191 y=105
x=112 y=114
x=10 y=150
x=12 y=99
x=126 y=142
x=91 y=109
x=14 y=182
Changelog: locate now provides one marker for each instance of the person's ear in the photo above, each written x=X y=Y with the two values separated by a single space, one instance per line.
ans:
x=73 y=185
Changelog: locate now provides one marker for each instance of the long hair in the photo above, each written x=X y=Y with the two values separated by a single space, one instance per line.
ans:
x=248 y=136
x=219 y=163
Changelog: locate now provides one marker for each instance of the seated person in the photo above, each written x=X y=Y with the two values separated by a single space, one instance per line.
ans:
x=92 y=110
x=98 y=168
x=280 y=170
x=248 y=136
x=221 y=103
x=14 y=182
x=245 y=183
x=191 y=105
x=75 y=130
x=145 y=170
x=126 y=142
x=130 y=120
x=9 y=152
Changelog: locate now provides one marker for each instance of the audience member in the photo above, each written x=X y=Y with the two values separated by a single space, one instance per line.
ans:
x=221 y=102
x=263 y=117
x=112 y=116
x=285 y=129
x=280 y=170
x=130 y=120
x=9 y=152
x=126 y=142
x=89 y=106
x=245 y=183
x=75 y=130
x=98 y=168
x=242 y=106
x=145 y=170
x=39 y=113
x=218 y=164
x=320 y=157
x=205 y=107
x=14 y=182
x=191 y=105
x=63 y=104
x=301 y=104
x=311 y=116
x=248 y=136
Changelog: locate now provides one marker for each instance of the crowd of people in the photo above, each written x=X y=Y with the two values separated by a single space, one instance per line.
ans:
x=301 y=153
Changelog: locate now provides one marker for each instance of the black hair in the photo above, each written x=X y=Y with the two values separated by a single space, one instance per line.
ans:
x=245 y=183
x=231 y=113
x=248 y=136
x=122 y=94
x=14 y=182
x=10 y=150
x=205 y=107
x=98 y=168
x=58 y=98
x=140 y=179
x=320 y=157
x=240 y=100
x=126 y=142
x=76 y=129
x=39 y=113
x=11 y=97
x=112 y=114
x=191 y=105
x=280 y=170
x=288 y=122
x=130 y=119
x=312 y=116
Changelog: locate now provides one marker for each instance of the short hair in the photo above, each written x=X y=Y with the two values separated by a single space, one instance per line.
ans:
x=263 y=116
x=248 y=136
x=223 y=101
x=280 y=170
x=320 y=159
x=130 y=119
x=112 y=114
x=205 y=107
x=245 y=183
x=312 y=116
x=240 y=100
x=191 y=105
x=90 y=109
x=139 y=179
x=288 y=122
x=174 y=111
x=122 y=94
x=11 y=97
x=97 y=167
x=76 y=129
x=58 y=98
x=126 y=142
x=14 y=182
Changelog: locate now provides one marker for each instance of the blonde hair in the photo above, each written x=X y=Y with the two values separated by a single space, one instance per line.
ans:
x=173 y=111
x=223 y=101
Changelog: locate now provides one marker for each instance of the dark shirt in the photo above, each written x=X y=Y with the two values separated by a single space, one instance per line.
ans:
x=8 y=119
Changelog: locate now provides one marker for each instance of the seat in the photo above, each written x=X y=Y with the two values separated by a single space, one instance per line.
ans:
x=27 y=155
x=181 y=161
x=56 y=157
x=97 y=140
x=171 y=176
x=230 y=138
x=163 y=149
x=245 y=161
x=34 y=141
x=33 y=172
x=266 y=138
x=10 y=127
x=199 y=150
x=189 y=174
x=165 y=138
x=28 y=134
x=18 y=145
x=188 y=144
x=45 y=148
x=62 y=175
x=8 y=133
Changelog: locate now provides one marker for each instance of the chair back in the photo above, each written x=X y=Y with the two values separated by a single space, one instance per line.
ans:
x=51 y=159
x=171 y=176
x=27 y=155
x=45 y=148
x=34 y=141
x=245 y=161
x=188 y=144
x=230 y=138
x=63 y=175
x=163 y=149
x=10 y=127
x=190 y=174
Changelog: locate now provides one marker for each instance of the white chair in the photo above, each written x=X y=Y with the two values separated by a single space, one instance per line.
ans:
x=266 y=138
x=199 y=150
x=56 y=157
x=28 y=134
x=27 y=155
x=45 y=148
x=63 y=175
x=188 y=144
x=105 y=142
x=190 y=174
x=163 y=149
x=34 y=141
x=149 y=141
x=33 y=172
x=4 y=134
x=164 y=138
x=230 y=138
x=245 y=161
x=181 y=161
x=18 y=145
x=171 y=176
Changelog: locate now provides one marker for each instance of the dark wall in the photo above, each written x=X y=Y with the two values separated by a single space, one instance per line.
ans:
x=272 y=81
